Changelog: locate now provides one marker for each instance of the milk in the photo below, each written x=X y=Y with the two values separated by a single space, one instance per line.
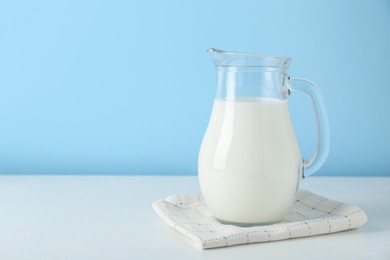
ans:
x=249 y=161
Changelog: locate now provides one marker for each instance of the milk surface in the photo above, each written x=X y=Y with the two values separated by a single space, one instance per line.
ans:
x=249 y=161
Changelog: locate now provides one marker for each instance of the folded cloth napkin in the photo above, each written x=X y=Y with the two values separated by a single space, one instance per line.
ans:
x=310 y=215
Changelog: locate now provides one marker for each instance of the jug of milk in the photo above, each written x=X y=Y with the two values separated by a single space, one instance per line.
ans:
x=249 y=163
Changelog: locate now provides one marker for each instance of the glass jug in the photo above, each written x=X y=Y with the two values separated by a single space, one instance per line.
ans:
x=249 y=162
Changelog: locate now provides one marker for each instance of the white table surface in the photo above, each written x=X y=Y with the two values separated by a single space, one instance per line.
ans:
x=110 y=217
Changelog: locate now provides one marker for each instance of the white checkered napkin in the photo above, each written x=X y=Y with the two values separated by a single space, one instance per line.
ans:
x=310 y=215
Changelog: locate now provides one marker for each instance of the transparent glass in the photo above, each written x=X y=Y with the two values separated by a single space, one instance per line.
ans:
x=249 y=162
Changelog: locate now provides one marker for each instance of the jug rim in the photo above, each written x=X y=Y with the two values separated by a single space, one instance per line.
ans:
x=247 y=59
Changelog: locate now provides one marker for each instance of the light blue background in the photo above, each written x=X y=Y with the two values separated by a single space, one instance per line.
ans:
x=126 y=87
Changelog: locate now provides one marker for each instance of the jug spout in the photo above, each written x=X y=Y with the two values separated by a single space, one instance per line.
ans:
x=241 y=59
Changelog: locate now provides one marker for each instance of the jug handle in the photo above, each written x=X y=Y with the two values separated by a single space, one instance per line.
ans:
x=321 y=118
